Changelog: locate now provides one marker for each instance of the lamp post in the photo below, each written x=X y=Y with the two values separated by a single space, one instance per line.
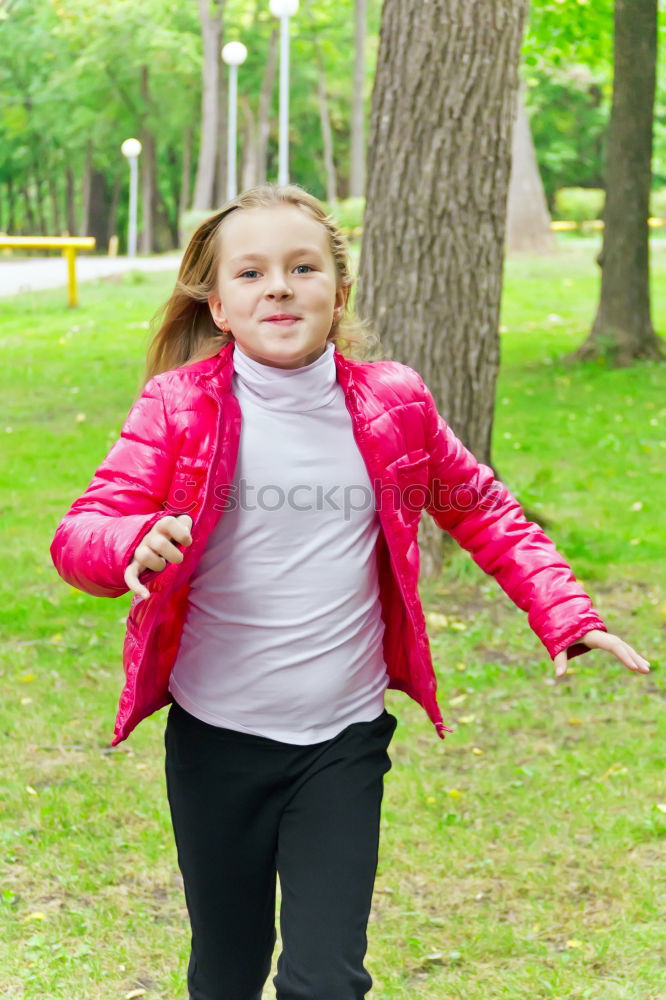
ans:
x=284 y=9
x=131 y=148
x=233 y=54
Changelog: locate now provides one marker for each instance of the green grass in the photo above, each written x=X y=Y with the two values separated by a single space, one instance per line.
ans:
x=521 y=858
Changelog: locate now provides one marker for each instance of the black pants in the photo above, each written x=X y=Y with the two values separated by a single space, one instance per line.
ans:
x=246 y=807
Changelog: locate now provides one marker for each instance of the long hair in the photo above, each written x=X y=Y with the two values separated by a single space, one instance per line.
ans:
x=185 y=329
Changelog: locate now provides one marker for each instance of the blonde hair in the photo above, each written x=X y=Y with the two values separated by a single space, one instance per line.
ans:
x=187 y=332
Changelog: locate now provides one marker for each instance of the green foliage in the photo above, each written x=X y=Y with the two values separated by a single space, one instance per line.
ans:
x=579 y=204
x=348 y=213
x=569 y=107
x=658 y=204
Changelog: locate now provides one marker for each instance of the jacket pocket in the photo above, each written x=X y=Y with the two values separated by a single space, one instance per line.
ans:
x=185 y=491
x=413 y=475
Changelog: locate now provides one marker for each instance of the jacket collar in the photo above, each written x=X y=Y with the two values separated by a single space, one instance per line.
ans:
x=215 y=373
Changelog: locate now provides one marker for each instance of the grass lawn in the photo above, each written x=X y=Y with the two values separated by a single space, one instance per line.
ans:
x=523 y=857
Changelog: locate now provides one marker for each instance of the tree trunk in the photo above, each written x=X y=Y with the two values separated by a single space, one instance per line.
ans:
x=222 y=137
x=98 y=216
x=85 y=191
x=622 y=330
x=29 y=214
x=11 y=206
x=71 y=202
x=185 y=182
x=210 y=14
x=112 y=224
x=249 y=163
x=326 y=133
x=528 y=218
x=148 y=179
x=56 y=219
x=264 y=121
x=357 y=172
x=439 y=156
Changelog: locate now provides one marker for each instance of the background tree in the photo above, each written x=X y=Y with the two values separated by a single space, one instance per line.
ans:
x=528 y=219
x=439 y=157
x=623 y=327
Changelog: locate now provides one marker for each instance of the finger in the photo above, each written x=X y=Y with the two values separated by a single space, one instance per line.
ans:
x=132 y=581
x=637 y=662
x=560 y=664
x=183 y=519
x=173 y=529
x=148 y=556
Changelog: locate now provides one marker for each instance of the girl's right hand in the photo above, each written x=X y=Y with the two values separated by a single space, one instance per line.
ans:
x=155 y=551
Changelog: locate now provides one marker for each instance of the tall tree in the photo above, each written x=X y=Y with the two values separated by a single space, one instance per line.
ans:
x=210 y=12
x=357 y=171
x=439 y=155
x=528 y=219
x=623 y=328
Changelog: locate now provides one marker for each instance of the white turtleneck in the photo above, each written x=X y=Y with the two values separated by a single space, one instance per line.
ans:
x=283 y=633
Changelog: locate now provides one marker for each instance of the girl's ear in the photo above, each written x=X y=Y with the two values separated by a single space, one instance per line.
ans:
x=341 y=297
x=216 y=309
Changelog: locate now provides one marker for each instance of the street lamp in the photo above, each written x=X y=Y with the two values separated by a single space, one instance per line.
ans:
x=131 y=148
x=234 y=54
x=284 y=9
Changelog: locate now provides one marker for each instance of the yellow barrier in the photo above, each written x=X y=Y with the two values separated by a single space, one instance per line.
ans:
x=69 y=246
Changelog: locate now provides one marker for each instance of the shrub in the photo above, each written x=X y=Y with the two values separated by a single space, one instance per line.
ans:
x=579 y=205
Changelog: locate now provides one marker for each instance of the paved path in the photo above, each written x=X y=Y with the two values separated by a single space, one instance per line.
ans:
x=30 y=274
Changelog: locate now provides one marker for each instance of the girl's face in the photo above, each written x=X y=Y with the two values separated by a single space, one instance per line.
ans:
x=276 y=262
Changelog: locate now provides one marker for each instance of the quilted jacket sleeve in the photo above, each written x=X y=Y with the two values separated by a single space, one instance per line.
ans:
x=484 y=518
x=95 y=540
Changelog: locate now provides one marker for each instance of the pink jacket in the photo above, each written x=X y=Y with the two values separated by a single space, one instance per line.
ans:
x=177 y=454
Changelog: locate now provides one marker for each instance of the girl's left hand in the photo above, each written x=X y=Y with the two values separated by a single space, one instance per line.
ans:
x=596 y=639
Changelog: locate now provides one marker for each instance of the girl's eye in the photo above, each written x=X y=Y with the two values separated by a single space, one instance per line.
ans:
x=244 y=274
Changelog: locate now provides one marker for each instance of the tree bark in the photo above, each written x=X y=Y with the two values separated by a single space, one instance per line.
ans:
x=439 y=155
x=85 y=191
x=528 y=218
x=210 y=13
x=185 y=182
x=98 y=216
x=357 y=171
x=249 y=163
x=56 y=219
x=222 y=139
x=148 y=164
x=326 y=132
x=11 y=206
x=71 y=202
x=264 y=118
x=622 y=330
x=112 y=224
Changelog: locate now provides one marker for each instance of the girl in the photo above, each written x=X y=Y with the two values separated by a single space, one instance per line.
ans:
x=262 y=504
